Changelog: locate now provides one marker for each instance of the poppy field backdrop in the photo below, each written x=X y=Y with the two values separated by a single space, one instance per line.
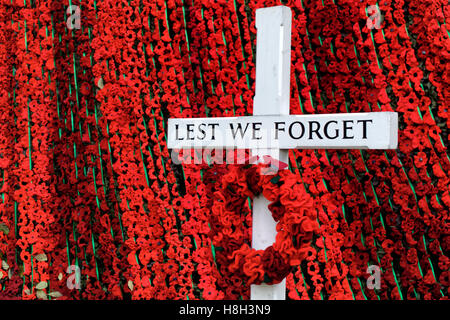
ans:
x=92 y=206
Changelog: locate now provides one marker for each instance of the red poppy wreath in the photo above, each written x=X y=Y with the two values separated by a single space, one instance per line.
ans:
x=291 y=206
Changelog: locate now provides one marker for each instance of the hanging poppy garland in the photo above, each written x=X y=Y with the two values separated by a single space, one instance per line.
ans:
x=93 y=205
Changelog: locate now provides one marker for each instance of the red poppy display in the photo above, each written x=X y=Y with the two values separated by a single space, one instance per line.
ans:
x=94 y=206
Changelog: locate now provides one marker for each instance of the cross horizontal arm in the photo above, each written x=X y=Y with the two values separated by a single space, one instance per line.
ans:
x=373 y=130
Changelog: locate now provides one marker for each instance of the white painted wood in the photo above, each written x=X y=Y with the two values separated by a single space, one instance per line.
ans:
x=371 y=130
x=272 y=88
x=273 y=61
x=263 y=235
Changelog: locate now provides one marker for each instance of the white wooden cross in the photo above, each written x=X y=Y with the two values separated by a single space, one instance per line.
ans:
x=272 y=131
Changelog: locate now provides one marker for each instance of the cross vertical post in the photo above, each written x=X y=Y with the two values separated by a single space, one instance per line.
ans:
x=272 y=92
x=369 y=130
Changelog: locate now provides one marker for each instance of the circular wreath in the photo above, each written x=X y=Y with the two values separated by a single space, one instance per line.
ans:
x=291 y=206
